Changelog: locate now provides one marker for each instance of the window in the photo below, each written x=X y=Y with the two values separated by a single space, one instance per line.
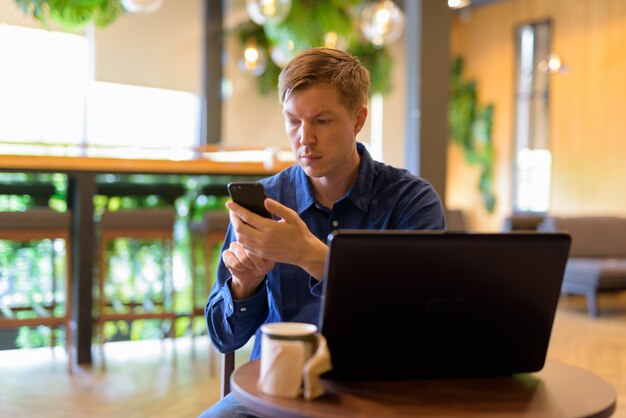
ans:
x=533 y=160
x=47 y=96
x=43 y=78
x=123 y=115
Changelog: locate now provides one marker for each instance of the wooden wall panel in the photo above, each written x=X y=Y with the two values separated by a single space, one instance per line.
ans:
x=587 y=105
x=489 y=66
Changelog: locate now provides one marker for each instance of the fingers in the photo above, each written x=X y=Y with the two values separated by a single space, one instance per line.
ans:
x=259 y=262
x=236 y=258
x=248 y=217
x=235 y=220
x=232 y=262
x=283 y=212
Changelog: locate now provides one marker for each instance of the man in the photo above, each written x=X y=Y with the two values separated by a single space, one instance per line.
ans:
x=272 y=269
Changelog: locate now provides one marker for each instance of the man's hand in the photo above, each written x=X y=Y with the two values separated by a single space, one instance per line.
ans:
x=247 y=269
x=286 y=241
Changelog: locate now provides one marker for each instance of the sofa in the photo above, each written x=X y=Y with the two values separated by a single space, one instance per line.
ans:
x=523 y=222
x=597 y=259
x=455 y=220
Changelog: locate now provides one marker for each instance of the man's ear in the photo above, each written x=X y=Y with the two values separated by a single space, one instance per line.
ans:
x=361 y=116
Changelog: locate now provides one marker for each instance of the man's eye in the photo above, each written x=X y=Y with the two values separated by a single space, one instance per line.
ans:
x=293 y=121
x=322 y=121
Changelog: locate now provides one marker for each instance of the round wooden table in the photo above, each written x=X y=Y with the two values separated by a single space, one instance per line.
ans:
x=558 y=390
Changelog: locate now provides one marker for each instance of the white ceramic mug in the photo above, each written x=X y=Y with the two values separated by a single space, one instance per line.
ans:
x=293 y=356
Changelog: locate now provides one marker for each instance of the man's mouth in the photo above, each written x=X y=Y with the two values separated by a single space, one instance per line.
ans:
x=309 y=157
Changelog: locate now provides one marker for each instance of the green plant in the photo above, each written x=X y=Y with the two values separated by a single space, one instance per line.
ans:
x=306 y=26
x=470 y=127
x=72 y=14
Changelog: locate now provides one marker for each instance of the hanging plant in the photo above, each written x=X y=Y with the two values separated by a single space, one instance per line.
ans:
x=308 y=25
x=470 y=127
x=72 y=14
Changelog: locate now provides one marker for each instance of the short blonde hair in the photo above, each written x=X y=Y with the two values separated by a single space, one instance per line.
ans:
x=325 y=66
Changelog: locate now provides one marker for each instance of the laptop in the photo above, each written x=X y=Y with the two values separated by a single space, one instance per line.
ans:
x=417 y=304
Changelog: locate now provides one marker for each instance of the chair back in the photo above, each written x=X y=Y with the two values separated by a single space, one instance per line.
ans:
x=592 y=236
x=455 y=220
x=523 y=222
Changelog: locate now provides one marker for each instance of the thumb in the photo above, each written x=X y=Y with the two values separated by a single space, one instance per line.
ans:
x=283 y=212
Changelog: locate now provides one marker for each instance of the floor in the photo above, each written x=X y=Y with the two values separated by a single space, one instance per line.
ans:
x=150 y=379
x=140 y=379
x=594 y=344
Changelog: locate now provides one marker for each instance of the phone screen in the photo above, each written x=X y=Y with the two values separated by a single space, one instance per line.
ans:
x=250 y=195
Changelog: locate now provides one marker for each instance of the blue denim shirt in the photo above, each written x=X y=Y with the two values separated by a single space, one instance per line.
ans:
x=383 y=197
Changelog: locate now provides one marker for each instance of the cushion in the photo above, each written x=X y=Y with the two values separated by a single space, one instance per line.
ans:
x=35 y=219
x=592 y=236
x=138 y=218
x=597 y=273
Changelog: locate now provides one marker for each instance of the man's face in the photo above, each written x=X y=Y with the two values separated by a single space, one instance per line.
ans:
x=322 y=131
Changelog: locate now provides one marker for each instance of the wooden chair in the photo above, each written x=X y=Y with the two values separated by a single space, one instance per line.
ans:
x=228 y=366
x=35 y=225
x=523 y=222
x=139 y=224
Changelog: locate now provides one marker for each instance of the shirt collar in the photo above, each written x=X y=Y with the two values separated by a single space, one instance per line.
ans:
x=359 y=194
x=304 y=192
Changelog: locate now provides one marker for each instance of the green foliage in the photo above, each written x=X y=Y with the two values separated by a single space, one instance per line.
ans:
x=309 y=21
x=470 y=127
x=72 y=14
x=306 y=26
x=26 y=270
x=378 y=62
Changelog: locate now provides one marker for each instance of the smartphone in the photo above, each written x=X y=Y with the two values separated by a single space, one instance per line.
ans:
x=250 y=195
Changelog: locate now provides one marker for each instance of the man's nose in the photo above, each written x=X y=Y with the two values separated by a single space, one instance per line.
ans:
x=307 y=134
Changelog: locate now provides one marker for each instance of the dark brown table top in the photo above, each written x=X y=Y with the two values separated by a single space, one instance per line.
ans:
x=559 y=390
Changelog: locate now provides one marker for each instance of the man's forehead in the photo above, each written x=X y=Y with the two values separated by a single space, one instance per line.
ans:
x=314 y=99
x=312 y=89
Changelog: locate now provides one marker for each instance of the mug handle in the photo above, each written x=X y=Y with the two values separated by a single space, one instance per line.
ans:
x=318 y=364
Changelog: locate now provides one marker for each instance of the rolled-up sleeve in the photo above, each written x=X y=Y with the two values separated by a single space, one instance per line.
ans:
x=231 y=323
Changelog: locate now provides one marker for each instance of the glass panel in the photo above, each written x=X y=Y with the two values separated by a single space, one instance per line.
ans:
x=43 y=76
x=47 y=96
x=532 y=171
x=145 y=117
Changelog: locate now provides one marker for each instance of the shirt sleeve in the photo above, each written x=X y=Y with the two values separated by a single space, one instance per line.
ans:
x=231 y=323
x=421 y=209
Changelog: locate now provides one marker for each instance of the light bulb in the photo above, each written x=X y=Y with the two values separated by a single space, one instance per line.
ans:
x=334 y=41
x=142 y=6
x=554 y=63
x=268 y=11
x=382 y=22
x=254 y=60
x=457 y=4
x=283 y=53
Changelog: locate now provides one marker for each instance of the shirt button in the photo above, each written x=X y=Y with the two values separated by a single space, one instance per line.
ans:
x=335 y=223
x=243 y=309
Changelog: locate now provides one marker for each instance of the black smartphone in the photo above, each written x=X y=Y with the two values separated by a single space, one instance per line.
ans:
x=250 y=195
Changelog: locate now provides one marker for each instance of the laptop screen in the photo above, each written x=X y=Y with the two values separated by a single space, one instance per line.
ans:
x=416 y=304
